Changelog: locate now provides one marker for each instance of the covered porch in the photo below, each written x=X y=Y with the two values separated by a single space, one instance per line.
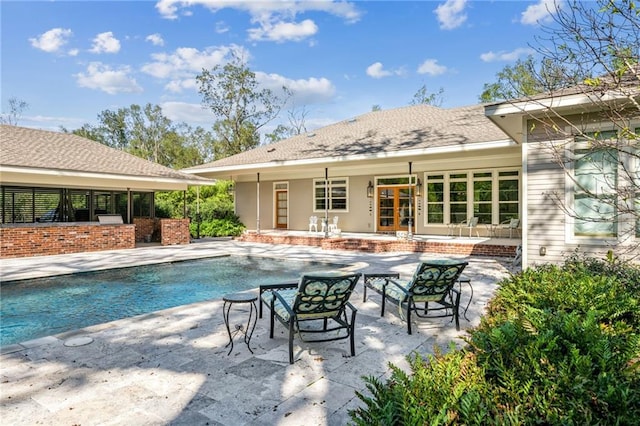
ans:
x=382 y=243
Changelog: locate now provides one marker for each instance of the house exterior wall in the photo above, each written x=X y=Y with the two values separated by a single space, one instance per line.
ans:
x=361 y=212
x=549 y=193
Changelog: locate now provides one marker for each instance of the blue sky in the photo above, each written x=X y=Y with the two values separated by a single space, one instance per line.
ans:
x=71 y=60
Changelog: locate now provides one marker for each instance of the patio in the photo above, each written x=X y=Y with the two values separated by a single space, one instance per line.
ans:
x=172 y=367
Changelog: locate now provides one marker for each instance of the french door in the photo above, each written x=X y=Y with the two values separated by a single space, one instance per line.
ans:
x=393 y=209
x=282 y=211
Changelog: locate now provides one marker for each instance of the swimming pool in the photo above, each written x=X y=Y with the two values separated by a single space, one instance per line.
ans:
x=44 y=306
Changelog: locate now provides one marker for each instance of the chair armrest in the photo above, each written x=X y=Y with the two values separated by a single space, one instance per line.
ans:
x=397 y=284
x=271 y=287
x=353 y=308
x=282 y=301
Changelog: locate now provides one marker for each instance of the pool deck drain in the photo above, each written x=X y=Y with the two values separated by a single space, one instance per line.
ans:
x=171 y=366
x=78 y=341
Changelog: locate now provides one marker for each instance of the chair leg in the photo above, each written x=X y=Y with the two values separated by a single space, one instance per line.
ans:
x=271 y=323
x=364 y=293
x=352 y=333
x=291 y=341
x=409 y=317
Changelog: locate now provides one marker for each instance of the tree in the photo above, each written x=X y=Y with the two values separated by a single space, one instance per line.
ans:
x=297 y=125
x=231 y=92
x=598 y=147
x=147 y=133
x=527 y=78
x=422 y=97
x=16 y=108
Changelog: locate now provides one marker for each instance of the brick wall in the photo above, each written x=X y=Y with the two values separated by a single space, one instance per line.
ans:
x=382 y=246
x=145 y=226
x=174 y=231
x=43 y=240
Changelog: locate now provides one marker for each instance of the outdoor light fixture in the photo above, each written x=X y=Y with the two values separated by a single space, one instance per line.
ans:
x=231 y=188
x=419 y=188
x=370 y=190
x=543 y=250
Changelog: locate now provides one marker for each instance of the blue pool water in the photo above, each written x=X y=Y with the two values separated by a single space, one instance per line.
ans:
x=41 y=307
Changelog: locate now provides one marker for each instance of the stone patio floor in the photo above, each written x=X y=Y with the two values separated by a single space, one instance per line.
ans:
x=171 y=367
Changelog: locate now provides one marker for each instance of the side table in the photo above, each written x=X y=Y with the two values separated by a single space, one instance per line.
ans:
x=240 y=298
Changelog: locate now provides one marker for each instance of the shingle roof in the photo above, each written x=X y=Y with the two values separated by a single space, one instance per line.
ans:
x=42 y=149
x=406 y=128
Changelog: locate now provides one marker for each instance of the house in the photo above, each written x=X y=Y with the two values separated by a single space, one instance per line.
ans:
x=423 y=169
x=57 y=187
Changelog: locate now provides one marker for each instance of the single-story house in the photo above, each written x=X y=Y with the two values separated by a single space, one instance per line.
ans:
x=422 y=169
x=56 y=188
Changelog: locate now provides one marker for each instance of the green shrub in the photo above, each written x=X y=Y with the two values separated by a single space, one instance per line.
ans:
x=558 y=345
x=228 y=227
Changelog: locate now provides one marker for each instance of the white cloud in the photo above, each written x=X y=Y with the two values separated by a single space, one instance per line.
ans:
x=376 y=70
x=221 y=27
x=53 y=40
x=283 y=31
x=305 y=91
x=506 y=56
x=187 y=113
x=170 y=8
x=431 y=67
x=187 y=62
x=540 y=12
x=451 y=14
x=112 y=81
x=275 y=20
x=155 y=39
x=105 y=43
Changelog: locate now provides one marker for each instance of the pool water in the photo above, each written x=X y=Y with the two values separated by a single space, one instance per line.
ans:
x=41 y=307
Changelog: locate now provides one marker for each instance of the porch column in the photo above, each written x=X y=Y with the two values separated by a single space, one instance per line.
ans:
x=410 y=232
x=258 y=205
x=326 y=202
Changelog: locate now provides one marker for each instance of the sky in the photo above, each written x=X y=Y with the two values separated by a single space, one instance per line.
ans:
x=71 y=60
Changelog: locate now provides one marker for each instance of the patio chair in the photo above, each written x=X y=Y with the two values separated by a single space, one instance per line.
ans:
x=313 y=223
x=430 y=293
x=318 y=305
x=471 y=224
x=511 y=225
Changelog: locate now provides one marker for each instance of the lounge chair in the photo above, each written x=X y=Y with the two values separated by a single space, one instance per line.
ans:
x=317 y=305
x=432 y=284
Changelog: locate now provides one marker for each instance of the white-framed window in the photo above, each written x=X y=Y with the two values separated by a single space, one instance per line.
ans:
x=337 y=195
x=435 y=201
x=508 y=195
x=491 y=195
x=595 y=179
x=458 y=196
x=483 y=197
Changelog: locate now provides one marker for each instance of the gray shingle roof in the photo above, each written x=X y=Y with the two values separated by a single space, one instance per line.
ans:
x=42 y=149
x=406 y=128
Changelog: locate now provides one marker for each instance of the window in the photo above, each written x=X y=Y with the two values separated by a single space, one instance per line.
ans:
x=482 y=194
x=458 y=197
x=508 y=195
x=435 y=199
x=336 y=196
x=595 y=177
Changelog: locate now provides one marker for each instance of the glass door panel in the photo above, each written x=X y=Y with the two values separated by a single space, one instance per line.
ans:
x=393 y=209
x=281 y=210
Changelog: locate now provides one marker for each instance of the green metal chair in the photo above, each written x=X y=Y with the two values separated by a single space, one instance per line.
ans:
x=317 y=305
x=430 y=293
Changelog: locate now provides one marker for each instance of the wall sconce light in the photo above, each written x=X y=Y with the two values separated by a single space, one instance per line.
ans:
x=370 y=190
x=231 y=188
x=419 y=188
x=543 y=250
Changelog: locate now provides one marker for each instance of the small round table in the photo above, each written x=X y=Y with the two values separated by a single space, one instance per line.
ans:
x=240 y=298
